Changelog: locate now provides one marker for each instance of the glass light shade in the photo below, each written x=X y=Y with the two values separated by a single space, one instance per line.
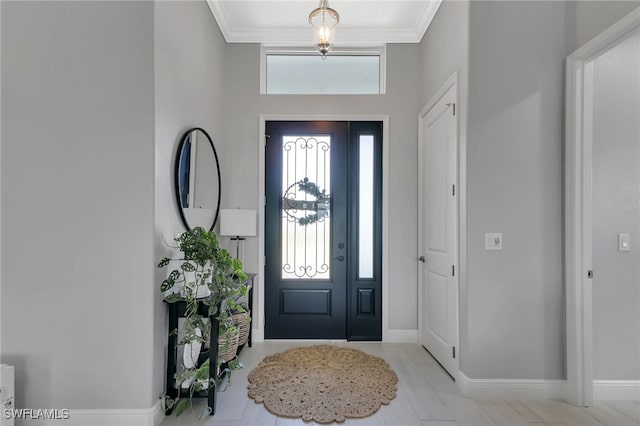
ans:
x=323 y=19
x=324 y=40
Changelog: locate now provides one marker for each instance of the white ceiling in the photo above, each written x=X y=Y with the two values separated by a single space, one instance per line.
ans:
x=286 y=21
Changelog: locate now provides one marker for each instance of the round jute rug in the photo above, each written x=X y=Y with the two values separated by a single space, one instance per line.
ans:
x=322 y=383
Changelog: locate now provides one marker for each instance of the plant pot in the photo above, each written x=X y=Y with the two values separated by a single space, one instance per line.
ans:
x=242 y=321
x=193 y=283
x=191 y=351
x=228 y=346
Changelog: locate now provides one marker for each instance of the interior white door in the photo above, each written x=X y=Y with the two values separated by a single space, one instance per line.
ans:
x=438 y=225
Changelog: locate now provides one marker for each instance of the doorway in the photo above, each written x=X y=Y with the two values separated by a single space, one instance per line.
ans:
x=586 y=233
x=323 y=230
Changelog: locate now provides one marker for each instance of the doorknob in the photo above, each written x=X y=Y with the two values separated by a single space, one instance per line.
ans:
x=422 y=259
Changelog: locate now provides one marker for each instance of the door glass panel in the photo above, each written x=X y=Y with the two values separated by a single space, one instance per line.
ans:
x=365 y=206
x=306 y=206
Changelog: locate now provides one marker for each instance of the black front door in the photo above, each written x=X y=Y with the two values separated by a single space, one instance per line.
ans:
x=314 y=286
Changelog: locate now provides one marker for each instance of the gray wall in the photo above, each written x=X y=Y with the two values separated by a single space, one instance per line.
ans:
x=514 y=164
x=77 y=202
x=616 y=209
x=587 y=19
x=444 y=50
x=1 y=186
x=189 y=75
x=244 y=104
x=511 y=301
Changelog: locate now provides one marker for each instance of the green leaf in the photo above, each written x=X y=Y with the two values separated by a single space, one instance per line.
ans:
x=202 y=373
x=167 y=402
x=164 y=262
x=187 y=267
x=173 y=298
x=181 y=406
x=167 y=284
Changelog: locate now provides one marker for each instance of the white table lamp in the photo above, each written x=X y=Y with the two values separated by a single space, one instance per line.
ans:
x=237 y=224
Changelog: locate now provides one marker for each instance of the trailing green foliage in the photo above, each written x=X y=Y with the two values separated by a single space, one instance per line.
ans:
x=203 y=264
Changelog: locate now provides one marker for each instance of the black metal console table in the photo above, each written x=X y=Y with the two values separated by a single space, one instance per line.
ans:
x=176 y=311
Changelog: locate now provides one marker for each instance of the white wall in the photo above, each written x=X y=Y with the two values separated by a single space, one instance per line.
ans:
x=77 y=202
x=239 y=151
x=189 y=76
x=616 y=209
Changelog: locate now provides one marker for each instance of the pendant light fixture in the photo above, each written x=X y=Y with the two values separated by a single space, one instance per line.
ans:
x=323 y=19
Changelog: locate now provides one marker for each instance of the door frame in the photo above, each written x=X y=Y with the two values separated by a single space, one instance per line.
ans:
x=259 y=313
x=578 y=208
x=451 y=83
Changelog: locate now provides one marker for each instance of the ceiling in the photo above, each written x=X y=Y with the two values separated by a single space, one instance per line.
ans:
x=286 y=21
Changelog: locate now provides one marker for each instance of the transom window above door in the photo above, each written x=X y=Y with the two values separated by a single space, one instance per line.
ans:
x=288 y=71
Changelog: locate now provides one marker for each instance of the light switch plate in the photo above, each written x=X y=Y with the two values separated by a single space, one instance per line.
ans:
x=624 y=242
x=493 y=241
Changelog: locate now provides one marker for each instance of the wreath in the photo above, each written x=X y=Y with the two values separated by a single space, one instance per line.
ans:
x=322 y=198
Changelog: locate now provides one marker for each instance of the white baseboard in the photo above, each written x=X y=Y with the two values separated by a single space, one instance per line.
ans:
x=621 y=390
x=400 y=336
x=257 y=335
x=157 y=413
x=128 y=417
x=510 y=389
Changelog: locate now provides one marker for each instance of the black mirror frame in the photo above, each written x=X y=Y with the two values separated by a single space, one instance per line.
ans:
x=177 y=175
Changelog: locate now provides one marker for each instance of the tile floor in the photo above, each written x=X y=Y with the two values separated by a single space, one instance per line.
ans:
x=426 y=396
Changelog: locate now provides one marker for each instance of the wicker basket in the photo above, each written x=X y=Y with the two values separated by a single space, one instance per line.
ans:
x=243 y=323
x=227 y=348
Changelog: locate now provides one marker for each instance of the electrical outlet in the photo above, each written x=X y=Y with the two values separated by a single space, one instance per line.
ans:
x=493 y=241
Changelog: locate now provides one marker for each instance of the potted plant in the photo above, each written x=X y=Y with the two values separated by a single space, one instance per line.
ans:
x=205 y=274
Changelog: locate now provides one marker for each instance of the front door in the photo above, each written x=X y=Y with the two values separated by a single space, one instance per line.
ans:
x=314 y=285
x=439 y=230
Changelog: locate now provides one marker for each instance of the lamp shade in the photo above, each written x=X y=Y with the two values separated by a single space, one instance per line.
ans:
x=237 y=223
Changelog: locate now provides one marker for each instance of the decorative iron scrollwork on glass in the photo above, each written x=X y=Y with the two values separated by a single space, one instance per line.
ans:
x=306 y=206
x=319 y=207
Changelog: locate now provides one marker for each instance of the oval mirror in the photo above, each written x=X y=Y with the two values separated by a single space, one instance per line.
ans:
x=197 y=178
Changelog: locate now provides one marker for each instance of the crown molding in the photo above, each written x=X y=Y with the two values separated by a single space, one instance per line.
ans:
x=426 y=17
x=344 y=36
x=220 y=16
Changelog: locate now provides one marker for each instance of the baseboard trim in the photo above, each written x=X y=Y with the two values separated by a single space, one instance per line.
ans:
x=119 y=417
x=622 y=390
x=400 y=336
x=157 y=413
x=510 y=389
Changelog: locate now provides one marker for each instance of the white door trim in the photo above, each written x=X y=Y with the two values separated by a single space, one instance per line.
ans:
x=452 y=82
x=258 y=318
x=578 y=219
